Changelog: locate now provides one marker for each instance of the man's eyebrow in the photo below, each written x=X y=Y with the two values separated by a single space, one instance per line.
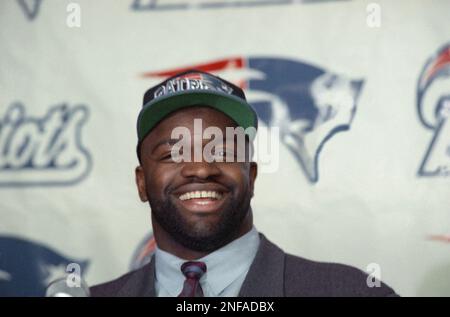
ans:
x=169 y=142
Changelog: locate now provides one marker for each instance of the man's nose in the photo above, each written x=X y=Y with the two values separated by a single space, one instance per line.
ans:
x=201 y=170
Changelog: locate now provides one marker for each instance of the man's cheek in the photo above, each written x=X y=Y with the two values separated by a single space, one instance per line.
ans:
x=161 y=179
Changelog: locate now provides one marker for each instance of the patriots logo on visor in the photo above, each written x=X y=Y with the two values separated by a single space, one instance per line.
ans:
x=192 y=81
x=308 y=104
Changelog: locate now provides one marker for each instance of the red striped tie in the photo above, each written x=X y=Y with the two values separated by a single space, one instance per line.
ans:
x=193 y=272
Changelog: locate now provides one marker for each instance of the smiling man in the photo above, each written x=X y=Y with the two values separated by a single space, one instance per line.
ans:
x=199 y=181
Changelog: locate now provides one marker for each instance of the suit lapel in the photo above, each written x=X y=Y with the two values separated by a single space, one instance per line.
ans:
x=141 y=283
x=266 y=275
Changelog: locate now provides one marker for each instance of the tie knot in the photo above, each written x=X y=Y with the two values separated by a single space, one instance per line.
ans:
x=193 y=270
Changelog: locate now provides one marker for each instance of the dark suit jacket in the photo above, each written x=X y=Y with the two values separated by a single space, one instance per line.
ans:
x=273 y=273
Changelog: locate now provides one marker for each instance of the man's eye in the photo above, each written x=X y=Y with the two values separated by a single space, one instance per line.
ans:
x=167 y=157
x=220 y=153
x=224 y=153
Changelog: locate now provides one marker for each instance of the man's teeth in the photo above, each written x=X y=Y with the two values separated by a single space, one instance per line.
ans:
x=201 y=194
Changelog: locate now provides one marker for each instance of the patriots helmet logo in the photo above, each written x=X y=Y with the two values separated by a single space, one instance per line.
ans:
x=27 y=268
x=307 y=103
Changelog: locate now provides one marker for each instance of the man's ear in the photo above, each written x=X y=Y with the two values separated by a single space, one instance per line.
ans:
x=140 y=183
x=253 y=174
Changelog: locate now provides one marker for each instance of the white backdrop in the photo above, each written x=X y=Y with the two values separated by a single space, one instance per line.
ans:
x=371 y=203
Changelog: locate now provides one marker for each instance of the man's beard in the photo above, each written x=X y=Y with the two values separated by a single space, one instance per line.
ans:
x=200 y=236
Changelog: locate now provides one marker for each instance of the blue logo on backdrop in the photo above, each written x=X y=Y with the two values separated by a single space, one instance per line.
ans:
x=43 y=151
x=308 y=104
x=30 y=8
x=433 y=106
x=26 y=268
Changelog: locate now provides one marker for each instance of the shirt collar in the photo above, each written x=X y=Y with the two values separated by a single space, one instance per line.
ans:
x=224 y=265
